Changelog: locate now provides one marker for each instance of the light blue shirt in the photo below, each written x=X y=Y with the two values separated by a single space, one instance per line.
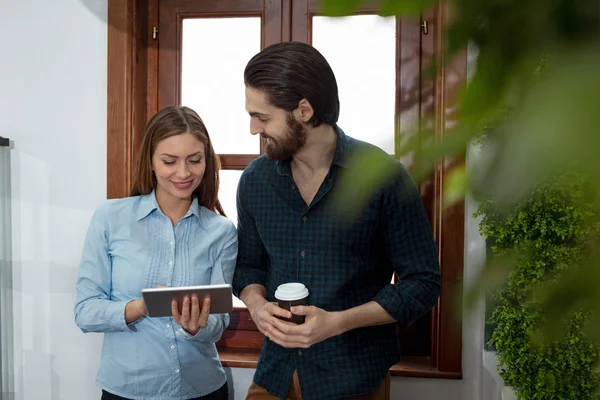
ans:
x=131 y=245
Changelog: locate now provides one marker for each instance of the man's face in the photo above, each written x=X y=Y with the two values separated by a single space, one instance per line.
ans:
x=283 y=134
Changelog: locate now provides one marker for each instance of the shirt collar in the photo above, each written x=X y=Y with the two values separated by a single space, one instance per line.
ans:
x=341 y=156
x=342 y=148
x=195 y=210
x=148 y=204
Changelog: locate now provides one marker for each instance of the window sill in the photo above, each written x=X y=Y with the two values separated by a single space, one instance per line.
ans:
x=417 y=367
x=233 y=358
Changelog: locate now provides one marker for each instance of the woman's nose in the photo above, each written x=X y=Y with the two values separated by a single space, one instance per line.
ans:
x=183 y=171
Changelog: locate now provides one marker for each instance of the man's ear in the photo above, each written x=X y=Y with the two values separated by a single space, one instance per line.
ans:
x=304 y=111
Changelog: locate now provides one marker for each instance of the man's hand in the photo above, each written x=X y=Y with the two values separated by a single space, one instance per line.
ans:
x=265 y=317
x=191 y=318
x=319 y=325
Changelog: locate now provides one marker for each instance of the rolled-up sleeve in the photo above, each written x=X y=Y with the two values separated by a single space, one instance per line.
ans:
x=94 y=311
x=410 y=245
x=252 y=260
x=222 y=273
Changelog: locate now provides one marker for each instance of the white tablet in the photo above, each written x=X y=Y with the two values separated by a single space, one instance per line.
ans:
x=158 y=300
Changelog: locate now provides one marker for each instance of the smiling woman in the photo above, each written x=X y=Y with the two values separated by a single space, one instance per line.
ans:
x=169 y=232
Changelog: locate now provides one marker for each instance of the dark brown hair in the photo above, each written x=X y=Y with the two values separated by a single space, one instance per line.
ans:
x=291 y=71
x=171 y=121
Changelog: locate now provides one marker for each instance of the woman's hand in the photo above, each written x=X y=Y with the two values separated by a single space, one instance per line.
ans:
x=192 y=318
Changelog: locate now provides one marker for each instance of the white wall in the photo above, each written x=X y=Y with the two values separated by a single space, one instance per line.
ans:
x=53 y=106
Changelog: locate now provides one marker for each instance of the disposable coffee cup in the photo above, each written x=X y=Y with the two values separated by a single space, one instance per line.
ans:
x=289 y=295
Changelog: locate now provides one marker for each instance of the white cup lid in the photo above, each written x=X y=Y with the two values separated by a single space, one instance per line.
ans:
x=291 y=291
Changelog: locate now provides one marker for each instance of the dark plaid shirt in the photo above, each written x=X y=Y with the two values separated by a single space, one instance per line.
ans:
x=344 y=262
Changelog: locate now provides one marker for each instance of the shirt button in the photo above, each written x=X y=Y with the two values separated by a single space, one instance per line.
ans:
x=170 y=263
x=299 y=352
x=177 y=371
x=302 y=254
x=171 y=244
x=304 y=218
x=172 y=347
x=293 y=187
x=168 y=325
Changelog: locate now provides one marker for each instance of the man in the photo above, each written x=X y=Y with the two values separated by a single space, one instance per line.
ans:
x=292 y=227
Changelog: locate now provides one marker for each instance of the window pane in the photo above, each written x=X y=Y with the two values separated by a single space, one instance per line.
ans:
x=238 y=303
x=215 y=52
x=361 y=50
x=229 y=180
x=228 y=183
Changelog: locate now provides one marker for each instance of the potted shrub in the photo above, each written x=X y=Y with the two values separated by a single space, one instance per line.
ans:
x=546 y=234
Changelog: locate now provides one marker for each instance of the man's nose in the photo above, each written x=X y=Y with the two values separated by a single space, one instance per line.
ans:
x=255 y=127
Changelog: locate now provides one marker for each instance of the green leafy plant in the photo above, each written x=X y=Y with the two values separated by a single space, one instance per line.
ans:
x=544 y=236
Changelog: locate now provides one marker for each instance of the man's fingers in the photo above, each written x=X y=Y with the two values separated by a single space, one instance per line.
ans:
x=290 y=344
x=278 y=333
x=275 y=335
x=273 y=331
x=274 y=309
x=282 y=325
x=301 y=330
x=267 y=320
x=303 y=310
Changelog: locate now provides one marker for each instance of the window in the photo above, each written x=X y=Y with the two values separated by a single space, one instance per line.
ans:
x=380 y=63
x=363 y=47
x=214 y=52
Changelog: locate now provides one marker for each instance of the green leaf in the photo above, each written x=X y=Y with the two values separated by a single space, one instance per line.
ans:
x=387 y=7
x=405 y=7
x=455 y=186
x=335 y=8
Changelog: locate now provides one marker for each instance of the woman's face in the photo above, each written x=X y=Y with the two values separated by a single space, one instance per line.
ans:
x=179 y=164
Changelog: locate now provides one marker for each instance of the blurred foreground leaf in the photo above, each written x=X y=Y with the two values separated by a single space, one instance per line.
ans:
x=555 y=129
x=387 y=7
x=367 y=171
x=455 y=186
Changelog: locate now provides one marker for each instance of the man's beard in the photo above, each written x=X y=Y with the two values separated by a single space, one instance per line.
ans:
x=282 y=149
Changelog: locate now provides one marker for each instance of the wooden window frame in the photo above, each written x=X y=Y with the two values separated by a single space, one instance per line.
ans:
x=132 y=99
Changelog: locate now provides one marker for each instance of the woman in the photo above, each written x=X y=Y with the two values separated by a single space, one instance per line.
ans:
x=168 y=233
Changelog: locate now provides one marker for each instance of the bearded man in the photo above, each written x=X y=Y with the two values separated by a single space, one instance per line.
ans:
x=292 y=229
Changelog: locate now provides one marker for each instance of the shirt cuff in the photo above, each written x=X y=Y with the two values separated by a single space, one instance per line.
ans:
x=393 y=303
x=182 y=333
x=116 y=310
x=203 y=333
x=245 y=277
